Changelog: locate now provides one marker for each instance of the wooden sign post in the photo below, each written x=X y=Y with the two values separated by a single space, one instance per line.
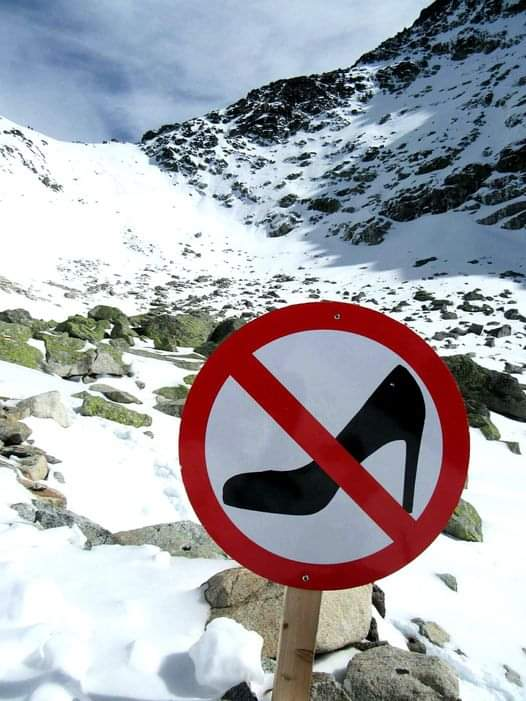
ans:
x=297 y=644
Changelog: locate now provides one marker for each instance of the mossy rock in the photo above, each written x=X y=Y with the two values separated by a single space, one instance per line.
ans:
x=65 y=357
x=465 y=523
x=84 y=328
x=120 y=344
x=40 y=327
x=173 y=393
x=13 y=350
x=96 y=406
x=18 y=332
x=497 y=391
x=189 y=379
x=104 y=312
x=170 y=332
x=207 y=348
x=225 y=329
x=171 y=407
x=123 y=330
x=478 y=417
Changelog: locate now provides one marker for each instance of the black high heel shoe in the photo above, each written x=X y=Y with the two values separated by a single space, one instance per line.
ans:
x=395 y=411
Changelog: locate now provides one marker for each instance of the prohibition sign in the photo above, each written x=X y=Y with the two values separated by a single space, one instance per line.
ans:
x=324 y=445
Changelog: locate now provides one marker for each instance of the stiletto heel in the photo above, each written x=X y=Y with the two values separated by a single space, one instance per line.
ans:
x=395 y=411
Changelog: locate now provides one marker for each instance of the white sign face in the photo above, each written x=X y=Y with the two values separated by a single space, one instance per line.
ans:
x=363 y=394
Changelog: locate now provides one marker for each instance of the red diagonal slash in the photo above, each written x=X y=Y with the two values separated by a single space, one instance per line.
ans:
x=323 y=448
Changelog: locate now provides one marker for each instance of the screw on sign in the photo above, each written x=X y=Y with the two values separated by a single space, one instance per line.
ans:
x=323 y=446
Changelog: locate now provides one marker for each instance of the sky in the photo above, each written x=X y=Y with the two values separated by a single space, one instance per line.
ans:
x=89 y=70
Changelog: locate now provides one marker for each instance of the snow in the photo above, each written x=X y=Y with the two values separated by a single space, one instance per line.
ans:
x=117 y=623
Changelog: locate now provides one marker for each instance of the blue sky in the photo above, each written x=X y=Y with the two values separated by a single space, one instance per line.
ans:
x=89 y=70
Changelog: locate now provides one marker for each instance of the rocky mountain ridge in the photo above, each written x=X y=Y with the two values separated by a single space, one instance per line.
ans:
x=428 y=122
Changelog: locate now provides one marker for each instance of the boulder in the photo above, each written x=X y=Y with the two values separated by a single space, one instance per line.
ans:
x=13 y=432
x=170 y=332
x=182 y=539
x=497 y=391
x=96 y=406
x=48 y=405
x=115 y=395
x=42 y=493
x=388 y=672
x=479 y=417
x=65 y=356
x=171 y=408
x=54 y=516
x=225 y=328
x=257 y=604
x=324 y=687
x=432 y=631
x=465 y=523
x=34 y=467
x=108 y=361
x=16 y=316
x=15 y=351
x=122 y=330
x=85 y=328
x=104 y=312
x=173 y=393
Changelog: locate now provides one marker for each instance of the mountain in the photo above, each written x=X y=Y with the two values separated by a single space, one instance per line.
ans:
x=399 y=184
x=429 y=122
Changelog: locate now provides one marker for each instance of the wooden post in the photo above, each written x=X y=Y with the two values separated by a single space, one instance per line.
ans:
x=297 y=644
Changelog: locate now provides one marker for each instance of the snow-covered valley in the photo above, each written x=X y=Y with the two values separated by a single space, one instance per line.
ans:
x=398 y=184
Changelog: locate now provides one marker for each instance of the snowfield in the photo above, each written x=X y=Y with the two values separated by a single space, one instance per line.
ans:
x=120 y=224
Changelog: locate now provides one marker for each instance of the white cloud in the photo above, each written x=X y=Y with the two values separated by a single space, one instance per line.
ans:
x=89 y=71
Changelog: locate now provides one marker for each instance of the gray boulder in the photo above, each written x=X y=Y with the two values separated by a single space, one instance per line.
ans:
x=108 y=361
x=48 y=405
x=182 y=539
x=115 y=395
x=324 y=687
x=49 y=516
x=398 y=675
x=257 y=604
x=13 y=432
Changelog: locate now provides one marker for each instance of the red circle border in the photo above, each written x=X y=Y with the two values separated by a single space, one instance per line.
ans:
x=338 y=316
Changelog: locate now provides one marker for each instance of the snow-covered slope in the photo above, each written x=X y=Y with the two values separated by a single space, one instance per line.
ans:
x=398 y=183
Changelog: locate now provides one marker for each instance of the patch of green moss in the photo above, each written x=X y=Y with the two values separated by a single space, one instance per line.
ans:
x=84 y=328
x=189 y=379
x=465 y=523
x=13 y=350
x=170 y=332
x=96 y=406
x=19 y=332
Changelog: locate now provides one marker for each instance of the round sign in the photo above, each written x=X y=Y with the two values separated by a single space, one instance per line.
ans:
x=324 y=445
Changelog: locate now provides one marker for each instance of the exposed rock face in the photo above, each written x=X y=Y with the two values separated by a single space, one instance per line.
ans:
x=362 y=188
x=182 y=539
x=495 y=390
x=170 y=332
x=257 y=604
x=387 y=672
